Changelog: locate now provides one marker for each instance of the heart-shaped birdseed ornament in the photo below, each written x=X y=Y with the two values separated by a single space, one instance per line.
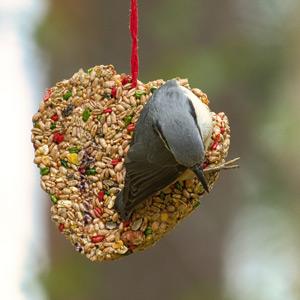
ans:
x=81 y=135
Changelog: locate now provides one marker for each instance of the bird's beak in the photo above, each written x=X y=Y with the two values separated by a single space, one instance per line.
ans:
x=199 y=172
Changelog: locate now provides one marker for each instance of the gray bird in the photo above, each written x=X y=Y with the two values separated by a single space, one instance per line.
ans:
x=171 y=137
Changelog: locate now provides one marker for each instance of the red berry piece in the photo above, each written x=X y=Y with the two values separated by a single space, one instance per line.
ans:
x=61 y=227
x=126 y=223
x=81 y=170
x=54 y=118
x=58 y=137
x=107 y=111
x=97 y=239
x=47 y=94
x=126 y=79
x=204 y=165
x=98 y=211
x=223 y=130
x=115 y=161
x=214 y=146
x=114 y=92
x=131 y=127
x=101 y=196
x=217 y=138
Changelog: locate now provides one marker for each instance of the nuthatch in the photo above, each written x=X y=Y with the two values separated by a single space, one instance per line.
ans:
x=171 y=137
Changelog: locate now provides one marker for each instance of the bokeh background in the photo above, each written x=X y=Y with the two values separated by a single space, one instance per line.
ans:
x=243 y=242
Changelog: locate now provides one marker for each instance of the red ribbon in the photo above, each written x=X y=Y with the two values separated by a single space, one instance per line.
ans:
x=134 y=41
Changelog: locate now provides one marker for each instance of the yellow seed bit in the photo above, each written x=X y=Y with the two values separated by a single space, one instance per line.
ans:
x=73 y=158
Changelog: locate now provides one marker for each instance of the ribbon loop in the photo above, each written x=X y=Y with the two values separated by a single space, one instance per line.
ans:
x=134 y=41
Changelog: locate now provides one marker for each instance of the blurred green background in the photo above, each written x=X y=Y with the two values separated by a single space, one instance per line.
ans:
x=243 y=242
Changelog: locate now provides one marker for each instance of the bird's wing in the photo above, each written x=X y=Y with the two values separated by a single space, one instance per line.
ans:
x=145 y=177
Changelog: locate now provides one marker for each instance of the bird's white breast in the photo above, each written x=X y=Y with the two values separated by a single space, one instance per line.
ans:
x=203 y=116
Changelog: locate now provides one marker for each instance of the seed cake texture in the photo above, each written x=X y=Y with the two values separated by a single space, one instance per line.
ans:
x=81 y=134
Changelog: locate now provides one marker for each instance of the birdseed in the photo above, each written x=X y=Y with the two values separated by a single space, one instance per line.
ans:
x=81 y=134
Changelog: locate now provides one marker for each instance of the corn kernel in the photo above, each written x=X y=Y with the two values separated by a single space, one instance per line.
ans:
x=73 y=158
x=164 y=217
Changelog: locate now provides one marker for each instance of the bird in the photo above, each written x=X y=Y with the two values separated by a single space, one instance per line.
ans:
x=171 y=137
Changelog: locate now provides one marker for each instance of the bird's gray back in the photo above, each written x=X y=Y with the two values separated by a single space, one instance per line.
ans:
x=172 y=111
x=166 y=141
